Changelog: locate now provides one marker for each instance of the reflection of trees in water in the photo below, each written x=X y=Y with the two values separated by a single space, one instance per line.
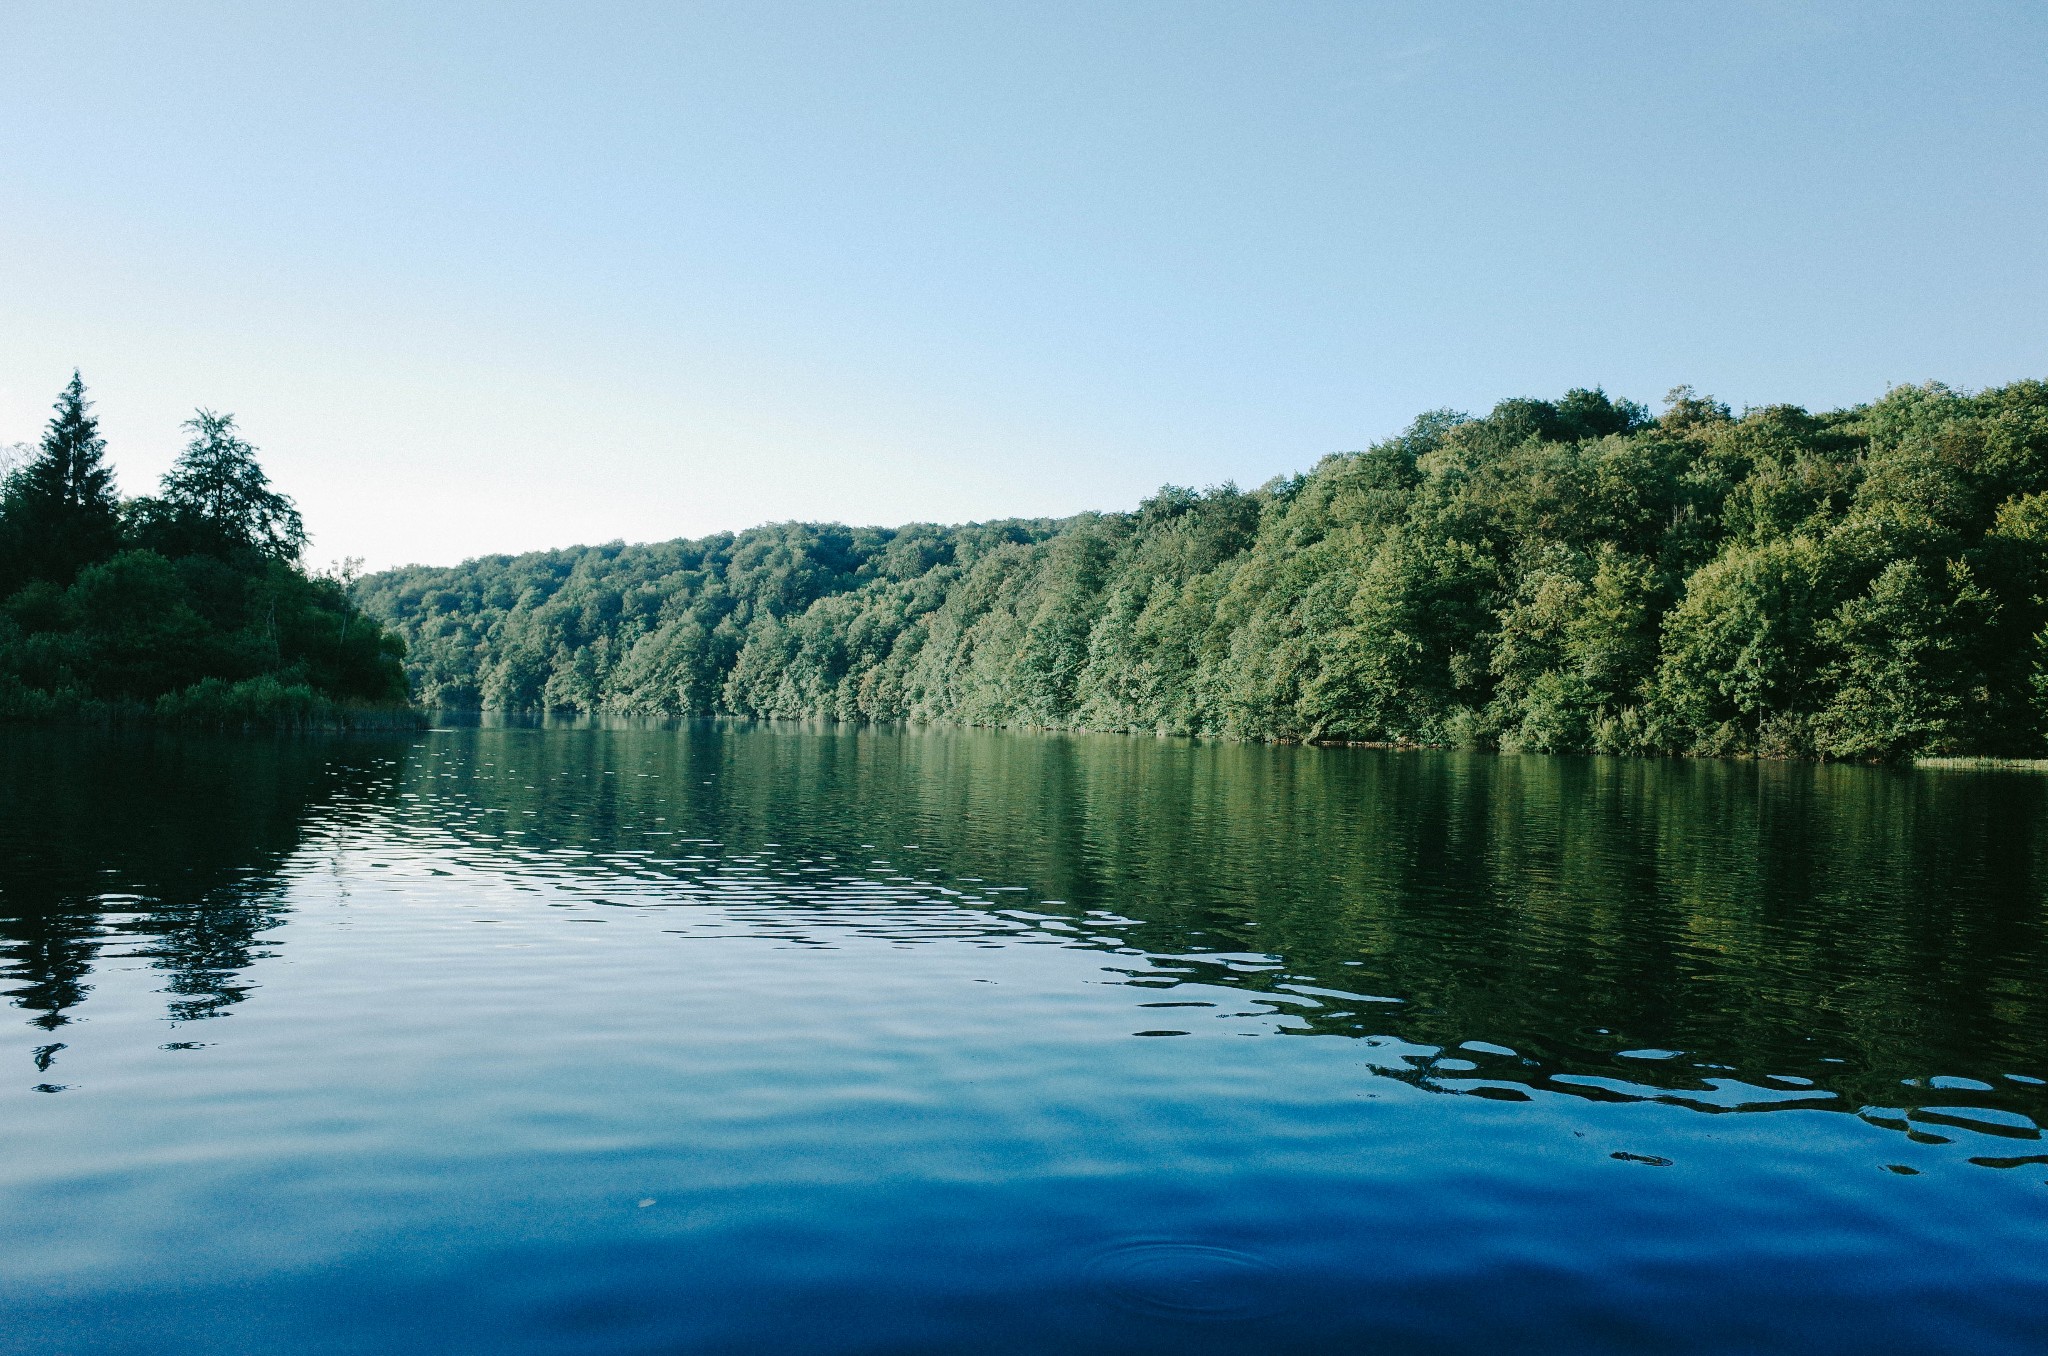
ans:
x=173 y=842
x=1771 y=918
x=1766 y=919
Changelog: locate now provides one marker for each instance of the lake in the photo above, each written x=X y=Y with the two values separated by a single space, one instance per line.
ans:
x=726 y=1038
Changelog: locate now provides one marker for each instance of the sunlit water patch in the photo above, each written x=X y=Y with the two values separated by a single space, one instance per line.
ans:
x=720 y=1038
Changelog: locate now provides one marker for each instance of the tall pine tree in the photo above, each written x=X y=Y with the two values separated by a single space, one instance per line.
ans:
x=59 y=511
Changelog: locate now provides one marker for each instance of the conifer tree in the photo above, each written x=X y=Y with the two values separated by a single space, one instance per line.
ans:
x=59 y=508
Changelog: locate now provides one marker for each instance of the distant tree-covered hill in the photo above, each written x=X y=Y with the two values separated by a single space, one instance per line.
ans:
x=1558 y=575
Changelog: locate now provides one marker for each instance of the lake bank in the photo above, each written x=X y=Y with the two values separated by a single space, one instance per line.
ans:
x=258 y=705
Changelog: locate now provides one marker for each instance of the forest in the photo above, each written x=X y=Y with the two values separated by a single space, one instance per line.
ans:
x=1559 y=575
x=190 y=606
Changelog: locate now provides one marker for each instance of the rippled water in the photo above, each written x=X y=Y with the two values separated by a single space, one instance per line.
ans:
x=797 y=1039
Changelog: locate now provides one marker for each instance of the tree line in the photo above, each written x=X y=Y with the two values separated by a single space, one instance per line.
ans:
x=190 y=605
x=1559 y=575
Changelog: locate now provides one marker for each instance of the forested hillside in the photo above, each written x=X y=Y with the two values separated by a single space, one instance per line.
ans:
x=1559 y=575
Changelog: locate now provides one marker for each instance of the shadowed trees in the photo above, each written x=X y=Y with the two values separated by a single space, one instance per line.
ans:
x=58 y=510
x=191 y=603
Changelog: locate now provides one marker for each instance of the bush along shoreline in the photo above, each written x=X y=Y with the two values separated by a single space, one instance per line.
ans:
x=188 y=608
x=1569 y=575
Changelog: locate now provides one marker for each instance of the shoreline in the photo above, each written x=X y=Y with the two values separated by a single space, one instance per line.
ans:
x=338 y=719
x=475 y=717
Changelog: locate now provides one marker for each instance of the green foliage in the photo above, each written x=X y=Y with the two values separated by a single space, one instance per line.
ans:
x=58 y=510
x=1903 y=681
x=217 y=499
x=1743 y=647
x=190 y=605
x=267 y=703
x=1557 y=576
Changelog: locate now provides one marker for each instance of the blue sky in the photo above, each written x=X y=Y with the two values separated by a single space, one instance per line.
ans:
x=492 y=277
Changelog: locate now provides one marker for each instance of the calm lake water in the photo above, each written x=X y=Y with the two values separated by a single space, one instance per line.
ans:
x=818 y=1039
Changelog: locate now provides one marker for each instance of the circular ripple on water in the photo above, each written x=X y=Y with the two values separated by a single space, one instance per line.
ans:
x=1196 y=1281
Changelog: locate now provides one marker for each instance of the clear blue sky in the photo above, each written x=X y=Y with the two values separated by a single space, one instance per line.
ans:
x=492 y=276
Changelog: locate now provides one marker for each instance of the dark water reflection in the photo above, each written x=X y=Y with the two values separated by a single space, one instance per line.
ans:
x=171 y=847
x=1516 y=936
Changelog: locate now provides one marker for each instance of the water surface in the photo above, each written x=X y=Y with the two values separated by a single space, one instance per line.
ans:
x=814 y=1039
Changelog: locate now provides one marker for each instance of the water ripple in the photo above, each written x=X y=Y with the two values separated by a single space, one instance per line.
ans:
x=1196 y=1282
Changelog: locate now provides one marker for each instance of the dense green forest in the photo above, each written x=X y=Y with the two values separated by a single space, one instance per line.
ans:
x=1558 y=575
x=188 y=606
